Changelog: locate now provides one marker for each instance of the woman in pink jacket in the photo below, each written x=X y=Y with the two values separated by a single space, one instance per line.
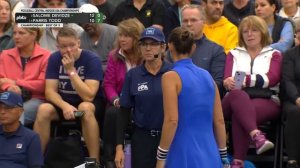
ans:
x=120 y=60
x=22 y=70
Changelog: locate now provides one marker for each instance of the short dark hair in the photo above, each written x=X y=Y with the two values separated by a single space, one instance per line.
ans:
x=275 y=3
x=182 y=39
x=66 y=32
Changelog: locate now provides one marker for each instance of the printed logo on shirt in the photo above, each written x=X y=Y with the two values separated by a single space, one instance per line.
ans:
x=64 y=79
x=19 y=146
x=148 y=13
x=142 y=86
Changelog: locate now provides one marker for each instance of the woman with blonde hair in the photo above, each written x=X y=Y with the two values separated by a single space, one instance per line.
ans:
x=6 y=31
x=252 y=75
x=120 y=60
x=22 y=70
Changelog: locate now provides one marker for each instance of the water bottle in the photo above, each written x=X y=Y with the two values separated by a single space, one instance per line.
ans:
x=127 y=152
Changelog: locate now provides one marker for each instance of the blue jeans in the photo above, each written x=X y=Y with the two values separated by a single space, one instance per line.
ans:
x=30 y=109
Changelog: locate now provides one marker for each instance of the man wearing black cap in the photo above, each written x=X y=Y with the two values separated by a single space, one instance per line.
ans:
x=20 y=147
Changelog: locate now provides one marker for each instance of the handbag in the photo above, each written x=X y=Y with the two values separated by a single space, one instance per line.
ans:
x=255 y=92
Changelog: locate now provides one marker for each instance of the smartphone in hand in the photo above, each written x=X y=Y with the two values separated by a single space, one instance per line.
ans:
x=78 y=114
x=239 y=79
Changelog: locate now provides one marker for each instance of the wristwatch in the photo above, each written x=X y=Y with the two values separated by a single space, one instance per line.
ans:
x=72 y=73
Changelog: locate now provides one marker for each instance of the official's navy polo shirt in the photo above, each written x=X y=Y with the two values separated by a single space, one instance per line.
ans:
x=21 y=149
x=143 y=92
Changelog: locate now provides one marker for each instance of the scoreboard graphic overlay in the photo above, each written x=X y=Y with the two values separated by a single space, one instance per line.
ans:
x=54 y=17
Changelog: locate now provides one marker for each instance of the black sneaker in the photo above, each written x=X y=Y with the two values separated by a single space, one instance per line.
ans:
x=292 y=165
x=100 y=165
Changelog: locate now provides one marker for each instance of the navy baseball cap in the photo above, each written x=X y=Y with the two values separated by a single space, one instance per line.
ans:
x=153 y=33
x=11 y=99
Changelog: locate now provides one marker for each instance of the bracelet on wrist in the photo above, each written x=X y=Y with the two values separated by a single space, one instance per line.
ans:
x=161 y=153
x=115 y=101
x=72 y=73
x=223 y=152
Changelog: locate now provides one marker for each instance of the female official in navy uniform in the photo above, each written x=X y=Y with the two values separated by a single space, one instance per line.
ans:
x=142 y=93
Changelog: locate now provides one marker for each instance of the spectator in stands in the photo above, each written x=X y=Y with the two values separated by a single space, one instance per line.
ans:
x=126 y=56
x=297 y=39
x=73 y=78
x=75 y=3
x=191 y=103
x=6 y=30
x=20 y=147
x=149 y=12
x=236 y=10
x=39 y=4
x=257 y=101
x=280 y=29
x=142 y=93
x=290 y=9
x=48 y=40
x=218 y=28
x=98 y=38
x=115 y=2
x=16 y=7
x=68 y=3
x=207 y=55
x=22 y=70
x=173 y=15
x=106 y=8
x=291 y=100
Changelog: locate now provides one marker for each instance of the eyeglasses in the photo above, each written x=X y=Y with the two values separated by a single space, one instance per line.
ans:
x=150 y=44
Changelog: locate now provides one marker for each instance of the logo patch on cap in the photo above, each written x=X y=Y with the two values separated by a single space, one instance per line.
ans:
x=11 y=99
x=4 y=96
x=150 y=31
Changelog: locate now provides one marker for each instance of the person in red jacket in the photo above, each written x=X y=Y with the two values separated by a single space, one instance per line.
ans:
x=22 y=70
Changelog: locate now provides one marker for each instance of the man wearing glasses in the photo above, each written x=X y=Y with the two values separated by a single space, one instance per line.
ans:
x=207 y=55
x=20 y=147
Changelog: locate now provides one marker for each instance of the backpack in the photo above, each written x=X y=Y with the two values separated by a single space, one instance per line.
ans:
x=64 y=152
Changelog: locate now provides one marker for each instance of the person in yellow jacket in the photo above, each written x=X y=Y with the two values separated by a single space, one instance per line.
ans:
x=217 y=27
